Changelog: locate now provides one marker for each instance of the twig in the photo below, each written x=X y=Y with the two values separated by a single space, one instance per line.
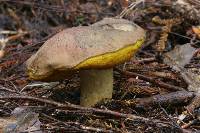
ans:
x=152 y=80
x=39 y=84
x=129 y=8
x=4 y=41
x=8 y=32
x=172 y=120
x=66 y=106
x=64 y=123
x=195 y=103
x=144 y=60
x=186 y=37
x=73 y=106
x=173 y=98
x=6 y=89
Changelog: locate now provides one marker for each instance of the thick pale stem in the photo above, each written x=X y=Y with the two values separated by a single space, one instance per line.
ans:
x=96 y=85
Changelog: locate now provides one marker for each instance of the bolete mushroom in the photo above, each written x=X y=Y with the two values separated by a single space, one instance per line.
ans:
x=93 y=51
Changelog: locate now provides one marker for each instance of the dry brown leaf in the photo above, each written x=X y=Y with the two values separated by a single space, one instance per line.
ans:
x=177 y=59
x=196 y=30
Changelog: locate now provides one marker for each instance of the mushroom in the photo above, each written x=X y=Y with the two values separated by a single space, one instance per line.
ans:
x=93 y=51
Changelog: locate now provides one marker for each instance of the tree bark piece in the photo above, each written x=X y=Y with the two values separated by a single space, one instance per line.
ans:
x=174 y=98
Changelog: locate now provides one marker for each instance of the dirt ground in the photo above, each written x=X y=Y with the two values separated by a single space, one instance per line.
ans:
x=150 y=94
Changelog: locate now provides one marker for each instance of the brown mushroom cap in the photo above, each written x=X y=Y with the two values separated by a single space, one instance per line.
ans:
x=104 y=43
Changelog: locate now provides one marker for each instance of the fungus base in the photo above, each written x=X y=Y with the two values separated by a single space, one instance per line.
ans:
x=96 y=85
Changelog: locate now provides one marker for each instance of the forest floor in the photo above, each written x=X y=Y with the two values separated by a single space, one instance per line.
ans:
x=157 y=91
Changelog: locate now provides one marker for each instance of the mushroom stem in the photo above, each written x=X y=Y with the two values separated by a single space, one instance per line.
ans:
x=95 y=86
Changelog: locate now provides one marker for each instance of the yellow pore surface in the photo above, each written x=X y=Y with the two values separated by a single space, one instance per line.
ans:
x=111 y=59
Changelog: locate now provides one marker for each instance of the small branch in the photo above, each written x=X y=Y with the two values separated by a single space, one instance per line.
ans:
x=73 y=106
x=170 y=117
x=2 y=88
x=166 y=99
x=174 y=98
x=96 y=111
x=8 y=32
x=144 y=60
x=195 y=103
x=130 y=8
x=154 y=81
x=64 y=123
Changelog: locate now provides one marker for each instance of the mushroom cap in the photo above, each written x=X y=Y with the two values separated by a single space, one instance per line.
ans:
x=99 y=46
